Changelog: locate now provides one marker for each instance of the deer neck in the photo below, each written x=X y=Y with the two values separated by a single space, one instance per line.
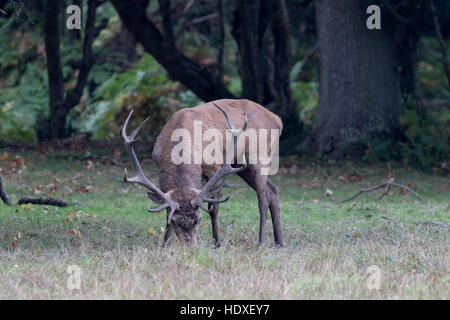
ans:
x=180 y=177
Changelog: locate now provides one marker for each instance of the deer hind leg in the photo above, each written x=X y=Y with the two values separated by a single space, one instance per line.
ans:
x=259 y=183
x=263 y=207
x=214 y=214
x=274 y=205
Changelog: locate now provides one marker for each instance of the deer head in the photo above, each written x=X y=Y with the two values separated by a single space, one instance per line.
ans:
x=183 y=206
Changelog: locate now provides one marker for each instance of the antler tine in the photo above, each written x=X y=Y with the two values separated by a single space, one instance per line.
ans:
x=140 y=177
x=158 y=209
x=234 y=132
x=123 y=129
x=226 y=168
x=217 y=200
x=230 y=122
x=131 y=138
x=136 y=131
x=245 y=123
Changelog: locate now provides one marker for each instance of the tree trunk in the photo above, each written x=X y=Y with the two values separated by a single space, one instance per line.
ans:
x=265 y=56
x=359 y=95
x=52 y=128
x=249 y=36
x=60 y=105
x=282 y=59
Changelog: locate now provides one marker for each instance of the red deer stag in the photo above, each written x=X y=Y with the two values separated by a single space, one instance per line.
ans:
x=180 y=189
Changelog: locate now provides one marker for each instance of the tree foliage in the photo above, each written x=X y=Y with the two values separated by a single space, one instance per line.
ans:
x=159 y=56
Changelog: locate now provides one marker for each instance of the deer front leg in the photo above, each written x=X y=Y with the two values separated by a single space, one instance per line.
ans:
x=168 y=233
x=214 y=214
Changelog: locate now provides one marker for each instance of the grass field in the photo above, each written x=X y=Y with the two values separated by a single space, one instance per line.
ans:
x=108 y=234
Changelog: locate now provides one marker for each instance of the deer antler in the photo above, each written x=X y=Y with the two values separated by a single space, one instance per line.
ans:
x=226 y=169
x=140 y=177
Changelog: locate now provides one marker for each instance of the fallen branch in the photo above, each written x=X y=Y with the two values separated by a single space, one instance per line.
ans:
x=389 y=184
x=44 y=200
x=3 y=194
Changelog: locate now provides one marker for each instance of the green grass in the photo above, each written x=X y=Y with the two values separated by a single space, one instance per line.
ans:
x=328 y=247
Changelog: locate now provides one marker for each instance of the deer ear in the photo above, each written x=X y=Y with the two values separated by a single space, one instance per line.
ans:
x=155 y=198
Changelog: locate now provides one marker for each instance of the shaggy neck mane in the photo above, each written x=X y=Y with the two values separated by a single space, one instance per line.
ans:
x=177 y=176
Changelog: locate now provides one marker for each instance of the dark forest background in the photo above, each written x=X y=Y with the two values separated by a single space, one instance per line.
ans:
x=341 y=89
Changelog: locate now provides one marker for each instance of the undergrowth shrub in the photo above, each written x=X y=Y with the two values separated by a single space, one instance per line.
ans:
x=424 y=141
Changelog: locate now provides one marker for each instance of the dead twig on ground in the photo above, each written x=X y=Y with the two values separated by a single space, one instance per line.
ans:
x=44 y=200
x=389 y=184
x=437 y=224
x=426 y=223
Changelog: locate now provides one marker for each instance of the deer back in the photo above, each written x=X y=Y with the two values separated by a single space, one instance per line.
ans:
x=211 y=118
